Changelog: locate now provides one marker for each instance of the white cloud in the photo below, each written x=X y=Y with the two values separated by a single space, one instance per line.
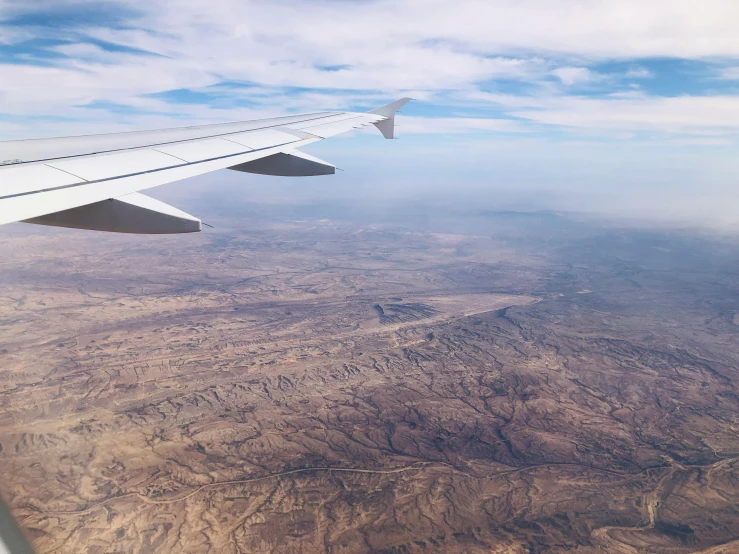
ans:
x=699 y=141
x=729 y=73
x=424 y=48
x=457 y=125
x=596 y=29
x=85 y=51
x=11 y=35
x=683 y=114
x=639 y=73
x=574 y=75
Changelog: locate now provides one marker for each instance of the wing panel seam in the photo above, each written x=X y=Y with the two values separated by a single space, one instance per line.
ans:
x=242 y=145
x=329 y=123
x=170 y=155
x=63 y=171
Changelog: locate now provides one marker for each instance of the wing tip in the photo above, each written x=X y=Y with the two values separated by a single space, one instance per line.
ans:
x=389 y=110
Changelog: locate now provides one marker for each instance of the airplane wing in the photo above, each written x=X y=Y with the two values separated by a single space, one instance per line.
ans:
x=93 y=182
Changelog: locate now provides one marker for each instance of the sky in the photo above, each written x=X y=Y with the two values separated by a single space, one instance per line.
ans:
x=617 y=106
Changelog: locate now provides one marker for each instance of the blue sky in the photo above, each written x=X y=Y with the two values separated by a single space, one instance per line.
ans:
x=626 y=106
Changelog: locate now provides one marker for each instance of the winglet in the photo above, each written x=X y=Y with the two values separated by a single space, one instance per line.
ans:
x=388 y=111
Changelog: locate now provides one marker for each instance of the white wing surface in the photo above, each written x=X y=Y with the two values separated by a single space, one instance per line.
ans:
x=89 y=182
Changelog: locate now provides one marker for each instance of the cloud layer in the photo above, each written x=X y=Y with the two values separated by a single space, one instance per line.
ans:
x=231 y=58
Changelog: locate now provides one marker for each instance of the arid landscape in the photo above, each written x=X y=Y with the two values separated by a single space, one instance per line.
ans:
x=290 y=382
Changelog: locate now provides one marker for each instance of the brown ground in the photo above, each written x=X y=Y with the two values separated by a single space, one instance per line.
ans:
x=312 y=386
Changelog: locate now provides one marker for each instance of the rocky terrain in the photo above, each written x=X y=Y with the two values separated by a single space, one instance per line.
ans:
x=523 y=384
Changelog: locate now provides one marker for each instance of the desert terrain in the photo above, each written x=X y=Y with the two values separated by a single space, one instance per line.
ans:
x=491 y=382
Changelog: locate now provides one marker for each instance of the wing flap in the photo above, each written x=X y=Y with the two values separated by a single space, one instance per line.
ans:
x=265 y=138
x=14 y=180
x=199 y=150
x=107 y=166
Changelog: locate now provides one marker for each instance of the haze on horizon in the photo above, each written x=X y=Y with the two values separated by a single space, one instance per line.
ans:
x=622 y=107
